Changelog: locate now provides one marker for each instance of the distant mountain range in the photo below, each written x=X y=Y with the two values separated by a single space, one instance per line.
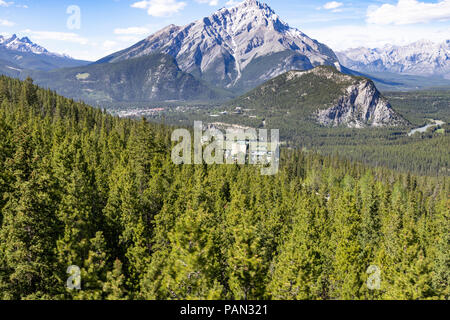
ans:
x=216 y=58
x=22 y=45
x=422 y=58
x=19 y=54
x=237 y=48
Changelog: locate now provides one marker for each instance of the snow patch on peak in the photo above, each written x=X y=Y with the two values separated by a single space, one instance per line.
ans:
x=22 y=45
x=25 y=45
x=423 y=58
x=222 y=46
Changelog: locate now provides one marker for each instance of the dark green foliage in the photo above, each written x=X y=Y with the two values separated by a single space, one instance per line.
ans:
x=80 y=187
x=299 y=96
x=420 y=105
x=290 y=111
x=152 y=78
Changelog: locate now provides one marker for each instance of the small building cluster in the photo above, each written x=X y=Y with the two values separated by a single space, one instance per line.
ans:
x=244 y=149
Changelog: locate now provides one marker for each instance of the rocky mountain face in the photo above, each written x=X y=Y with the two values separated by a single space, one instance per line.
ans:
x=237 y=48
x=23 y=45
x=361 y=105
x=322 y=95
x=155 y=77
x=423 y=58
x=19 y=54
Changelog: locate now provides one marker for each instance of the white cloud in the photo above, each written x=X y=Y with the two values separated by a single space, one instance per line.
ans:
x=57 y=36
x=129 y=39
x=109 y=44
x=210 y=2
x=232 y=3
x=3 y=3
x=409 y=12
x=160 y=8
x=332 y=5
x=376 y=36
x=6 y=23
x=132 y=31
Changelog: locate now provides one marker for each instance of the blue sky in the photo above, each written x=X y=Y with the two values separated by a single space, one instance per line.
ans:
x=110 y=25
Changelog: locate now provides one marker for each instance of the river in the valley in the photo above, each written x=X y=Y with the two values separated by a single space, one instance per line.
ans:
x=425 y=128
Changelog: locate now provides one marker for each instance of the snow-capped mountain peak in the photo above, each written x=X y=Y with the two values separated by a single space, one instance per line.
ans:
x=423 y=57
x=240 y=46
x=19 y=54
x=22 y=45
x=249 y=10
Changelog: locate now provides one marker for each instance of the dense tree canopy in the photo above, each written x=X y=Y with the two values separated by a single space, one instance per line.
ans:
x=80 y=187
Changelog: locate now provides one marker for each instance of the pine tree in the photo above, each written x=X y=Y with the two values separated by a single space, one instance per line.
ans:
x=114 y=287
x=80 y=241
x=299 y=266
x=348 y=265
x=244 y=251
x=4 y=91
x=27 y=236
x=441 y=274
x=191 y=270
x=93 y=272
x=28 y=95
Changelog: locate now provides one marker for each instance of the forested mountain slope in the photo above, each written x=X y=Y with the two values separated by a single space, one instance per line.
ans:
x=155 y=77
x=322 y=95
x=80 y=187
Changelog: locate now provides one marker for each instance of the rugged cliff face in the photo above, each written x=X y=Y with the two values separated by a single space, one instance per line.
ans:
x=362 y=105
x=324 y=96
